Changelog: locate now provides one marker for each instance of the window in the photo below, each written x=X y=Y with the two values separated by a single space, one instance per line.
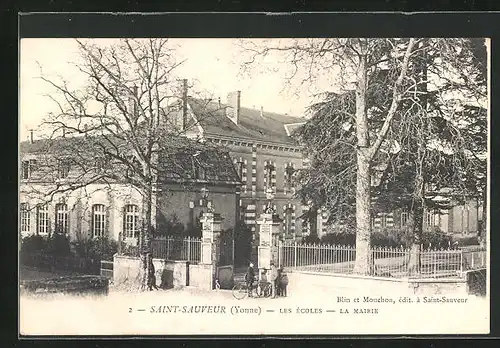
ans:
x=63 y=167
x=289 y=170
x=42 y=220
x=431 y=218
x=132 y=166
x=268 y=175
x=25 y=218
x=101 y=163
x=383 y=220
x=27 y=168
x=239 y=169
x=131 y=221
x=287 y=215
x=404 y=218
x=62 y=218
x=200 y=172
x=98 y=220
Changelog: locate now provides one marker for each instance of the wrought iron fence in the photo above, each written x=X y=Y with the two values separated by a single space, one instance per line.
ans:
x=187 y=249
x=384 y=261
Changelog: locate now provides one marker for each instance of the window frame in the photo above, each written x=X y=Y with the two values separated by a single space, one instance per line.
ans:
x=65 y=218
x=42 y=215
x=24 y=218
x=27 y=166
x=268 y=174
x=404 y=218
x=98 y=220
x=63 y=168
x=131 y=228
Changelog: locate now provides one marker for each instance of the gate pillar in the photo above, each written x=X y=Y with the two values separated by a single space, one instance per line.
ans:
x=210 y=243
x=270 y=229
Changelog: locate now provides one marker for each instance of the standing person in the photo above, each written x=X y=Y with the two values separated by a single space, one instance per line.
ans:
x=250 y=279
x=283 y=281
x=274 y=279
x=152 y=276
x=278 y=283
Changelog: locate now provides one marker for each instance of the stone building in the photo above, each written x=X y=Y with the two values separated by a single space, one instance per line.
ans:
x=113 y=207
x=455 y=217
x=262 y=149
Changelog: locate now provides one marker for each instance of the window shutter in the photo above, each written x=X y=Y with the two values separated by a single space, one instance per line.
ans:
x=124 y=220
x=37 y=219
x=68 y=219
x=90 y=219
x=107 y=223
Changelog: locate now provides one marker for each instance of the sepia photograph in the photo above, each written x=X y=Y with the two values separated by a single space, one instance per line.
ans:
x=254 y=186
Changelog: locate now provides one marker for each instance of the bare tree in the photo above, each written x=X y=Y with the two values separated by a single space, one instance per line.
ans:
x=123 y=126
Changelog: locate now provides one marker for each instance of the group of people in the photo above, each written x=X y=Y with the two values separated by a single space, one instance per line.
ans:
x=277 y=277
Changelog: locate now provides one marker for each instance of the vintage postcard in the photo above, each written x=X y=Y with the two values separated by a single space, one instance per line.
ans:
x=190 y=186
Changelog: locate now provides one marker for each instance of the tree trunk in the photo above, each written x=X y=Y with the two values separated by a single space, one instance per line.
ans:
x=416 y=224
x=483 y=230
x=363 y=264
x=145 y=247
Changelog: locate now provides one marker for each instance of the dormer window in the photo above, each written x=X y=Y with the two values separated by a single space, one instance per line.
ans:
x=132 y=166
x=101 y=163
x=199 y=172
x=27 y=167
x=63 y=167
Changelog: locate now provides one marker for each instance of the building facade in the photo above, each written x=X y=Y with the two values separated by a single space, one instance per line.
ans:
x=263 y=150
x=115 y=208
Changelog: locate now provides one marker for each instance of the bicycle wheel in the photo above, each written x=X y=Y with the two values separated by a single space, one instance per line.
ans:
x=240 y=291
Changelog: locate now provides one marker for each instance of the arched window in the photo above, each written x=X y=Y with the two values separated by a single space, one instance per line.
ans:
x=131 y=221
x=25 y=218
x=42 y=220
x=61 y=218
x=98 y=220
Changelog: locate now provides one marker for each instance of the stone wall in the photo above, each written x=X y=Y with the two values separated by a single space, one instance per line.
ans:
x=310 y=284
x=200 y=276
x=476 y=282
x=169 y=274
x=438 y=286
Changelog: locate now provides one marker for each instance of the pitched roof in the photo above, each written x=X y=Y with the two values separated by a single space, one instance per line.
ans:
x=181 y=158
x=251 y=125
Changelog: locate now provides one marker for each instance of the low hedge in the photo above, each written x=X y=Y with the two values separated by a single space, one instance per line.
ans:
x=75 y=284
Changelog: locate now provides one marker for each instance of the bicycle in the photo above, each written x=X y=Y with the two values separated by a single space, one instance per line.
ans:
x=262 y=289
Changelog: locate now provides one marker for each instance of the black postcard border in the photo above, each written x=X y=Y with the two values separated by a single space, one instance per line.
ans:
x=246 y=25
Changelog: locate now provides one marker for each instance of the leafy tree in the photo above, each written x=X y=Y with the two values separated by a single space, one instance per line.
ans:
x=375 y=125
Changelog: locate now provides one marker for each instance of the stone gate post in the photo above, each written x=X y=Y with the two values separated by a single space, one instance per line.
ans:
x=270 y=226
x=210 y=243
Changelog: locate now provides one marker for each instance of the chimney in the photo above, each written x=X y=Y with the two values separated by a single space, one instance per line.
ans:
x=233 y=106
x=184 y=101
x=261 y=111
x=31 y=136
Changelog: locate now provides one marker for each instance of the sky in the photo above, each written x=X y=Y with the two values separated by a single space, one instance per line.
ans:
x=213 y=64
